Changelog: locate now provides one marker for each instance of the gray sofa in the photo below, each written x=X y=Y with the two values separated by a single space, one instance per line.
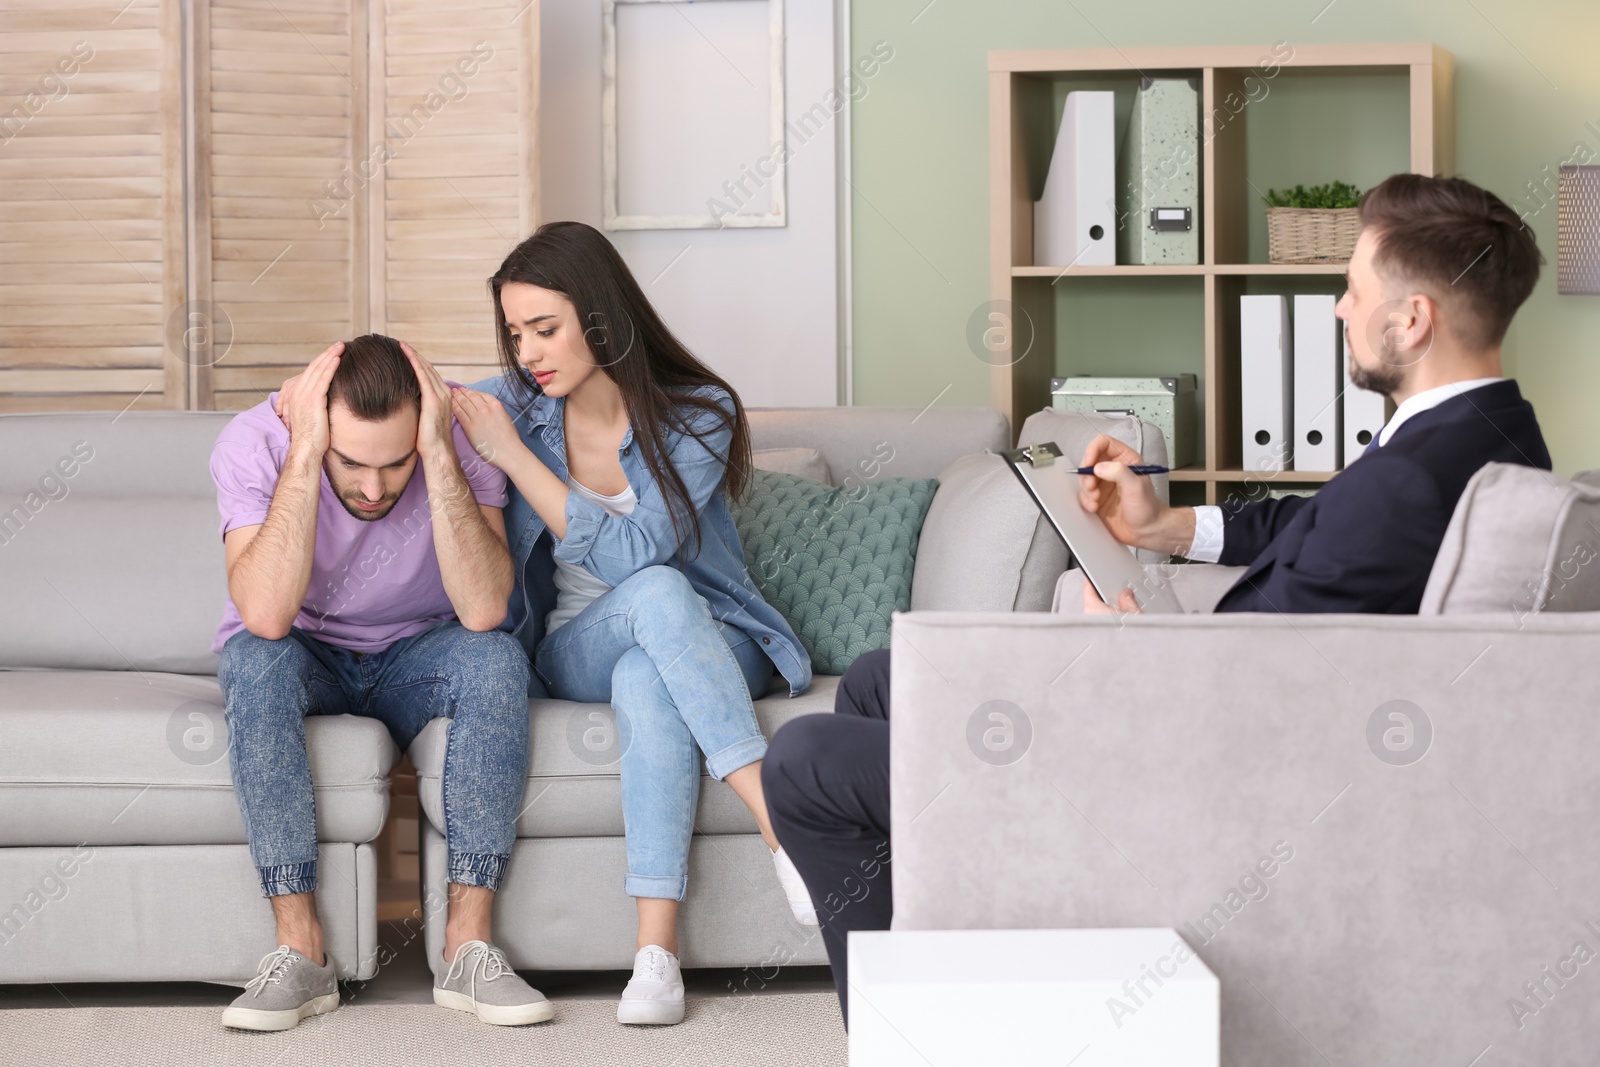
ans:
x=122 y=855
x=1376 y=831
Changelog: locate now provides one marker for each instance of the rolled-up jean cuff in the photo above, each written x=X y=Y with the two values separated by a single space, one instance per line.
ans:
x=638 y=885
x=483 y=869
x=285 y=878
x=739 y=754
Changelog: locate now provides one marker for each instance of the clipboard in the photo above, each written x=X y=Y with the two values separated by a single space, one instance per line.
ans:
x=1109 y=565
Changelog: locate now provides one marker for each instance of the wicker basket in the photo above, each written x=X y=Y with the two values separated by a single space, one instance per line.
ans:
x=1312 y=234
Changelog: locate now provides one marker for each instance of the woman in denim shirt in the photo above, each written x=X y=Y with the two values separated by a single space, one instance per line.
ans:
x=622 y=450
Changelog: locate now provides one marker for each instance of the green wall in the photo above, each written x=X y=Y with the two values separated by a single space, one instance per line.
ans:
x=1526 y=85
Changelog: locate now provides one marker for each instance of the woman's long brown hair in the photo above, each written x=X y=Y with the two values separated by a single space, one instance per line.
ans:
x=628 y=341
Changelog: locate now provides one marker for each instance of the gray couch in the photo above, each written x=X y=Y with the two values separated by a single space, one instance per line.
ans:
x=1375 y=830
x=122 y=855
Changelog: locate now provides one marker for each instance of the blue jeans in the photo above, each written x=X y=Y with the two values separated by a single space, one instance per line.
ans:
x=680 y=683
x=480 y=680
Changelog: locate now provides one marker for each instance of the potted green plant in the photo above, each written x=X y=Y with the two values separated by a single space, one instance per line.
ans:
x=1315 y=225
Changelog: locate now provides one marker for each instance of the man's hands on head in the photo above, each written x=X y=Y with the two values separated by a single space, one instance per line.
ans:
x=303 y=403
x=269 y=566
x=303 y=400
x=433 y=428
x=1127 y=503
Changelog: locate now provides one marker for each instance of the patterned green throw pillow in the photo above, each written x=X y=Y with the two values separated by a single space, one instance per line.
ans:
x=836 y=561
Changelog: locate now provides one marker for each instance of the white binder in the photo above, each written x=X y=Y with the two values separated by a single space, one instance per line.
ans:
x=1364 y=415
x=1317 y=380
x=1075 y=223
x=1265 y=383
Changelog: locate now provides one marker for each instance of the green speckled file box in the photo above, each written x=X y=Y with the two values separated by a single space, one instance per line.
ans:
x=1159 y=168
x=1167 y=402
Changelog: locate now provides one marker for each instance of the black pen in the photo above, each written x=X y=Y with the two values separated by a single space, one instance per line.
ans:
x=1137 y=468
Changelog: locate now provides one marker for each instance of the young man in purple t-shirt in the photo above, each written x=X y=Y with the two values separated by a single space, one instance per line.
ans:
x=367 y=573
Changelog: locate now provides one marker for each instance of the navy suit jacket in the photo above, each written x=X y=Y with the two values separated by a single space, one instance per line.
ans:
x=1367 y=540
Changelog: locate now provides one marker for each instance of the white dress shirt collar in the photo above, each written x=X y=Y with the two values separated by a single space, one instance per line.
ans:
x=1417 y=403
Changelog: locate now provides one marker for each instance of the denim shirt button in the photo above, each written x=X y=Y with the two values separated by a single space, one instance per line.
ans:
x=627 y=450
x=766 y=640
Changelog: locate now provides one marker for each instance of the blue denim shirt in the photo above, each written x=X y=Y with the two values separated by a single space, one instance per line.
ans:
x=613 y=548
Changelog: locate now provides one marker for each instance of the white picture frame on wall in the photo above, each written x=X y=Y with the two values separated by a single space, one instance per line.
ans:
x=738 y=147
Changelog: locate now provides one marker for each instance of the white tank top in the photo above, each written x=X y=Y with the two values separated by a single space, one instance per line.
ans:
x=576 y=588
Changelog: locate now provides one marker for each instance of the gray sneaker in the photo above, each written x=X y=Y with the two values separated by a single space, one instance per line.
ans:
x=481 y=981
x=287 y=988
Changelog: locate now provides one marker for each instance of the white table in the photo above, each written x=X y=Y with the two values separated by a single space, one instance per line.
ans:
x=1089 y=998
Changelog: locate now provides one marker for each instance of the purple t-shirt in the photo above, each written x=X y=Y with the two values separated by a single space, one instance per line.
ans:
x=372 y=583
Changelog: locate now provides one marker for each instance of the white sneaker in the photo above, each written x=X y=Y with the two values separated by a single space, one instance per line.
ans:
x=794 y=887
x=654 y=996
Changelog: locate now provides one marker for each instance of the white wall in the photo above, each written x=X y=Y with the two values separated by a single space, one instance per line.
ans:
x=759 y=305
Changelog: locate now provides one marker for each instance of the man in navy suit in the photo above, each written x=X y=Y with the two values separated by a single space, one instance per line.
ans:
x=1439 y=270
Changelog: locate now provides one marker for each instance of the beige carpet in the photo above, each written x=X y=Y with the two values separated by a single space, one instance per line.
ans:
x=782 y=1029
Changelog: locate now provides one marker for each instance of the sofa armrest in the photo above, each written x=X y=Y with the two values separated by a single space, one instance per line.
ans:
x=1198 y=586
x=1321 y=807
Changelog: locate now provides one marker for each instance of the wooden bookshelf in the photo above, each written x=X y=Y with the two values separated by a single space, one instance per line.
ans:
x=1020 y=87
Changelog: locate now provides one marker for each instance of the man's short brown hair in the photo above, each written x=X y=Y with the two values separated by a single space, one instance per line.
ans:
x=1458 y=243
x=374 y=378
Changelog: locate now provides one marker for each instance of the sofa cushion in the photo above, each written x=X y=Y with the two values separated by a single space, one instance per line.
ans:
x=866 y=444
x=1521 y=540
x=801 y=462
x=574 y=787
x=979 y=535
x=108 y=533
x=129 y=758
x=835 y=561
x=115 y=583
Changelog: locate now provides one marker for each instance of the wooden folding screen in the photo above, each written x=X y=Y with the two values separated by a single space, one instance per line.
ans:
x=91 y=206
x=342 y=167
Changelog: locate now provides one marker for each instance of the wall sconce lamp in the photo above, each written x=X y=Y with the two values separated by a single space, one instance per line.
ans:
x=1578 y=231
